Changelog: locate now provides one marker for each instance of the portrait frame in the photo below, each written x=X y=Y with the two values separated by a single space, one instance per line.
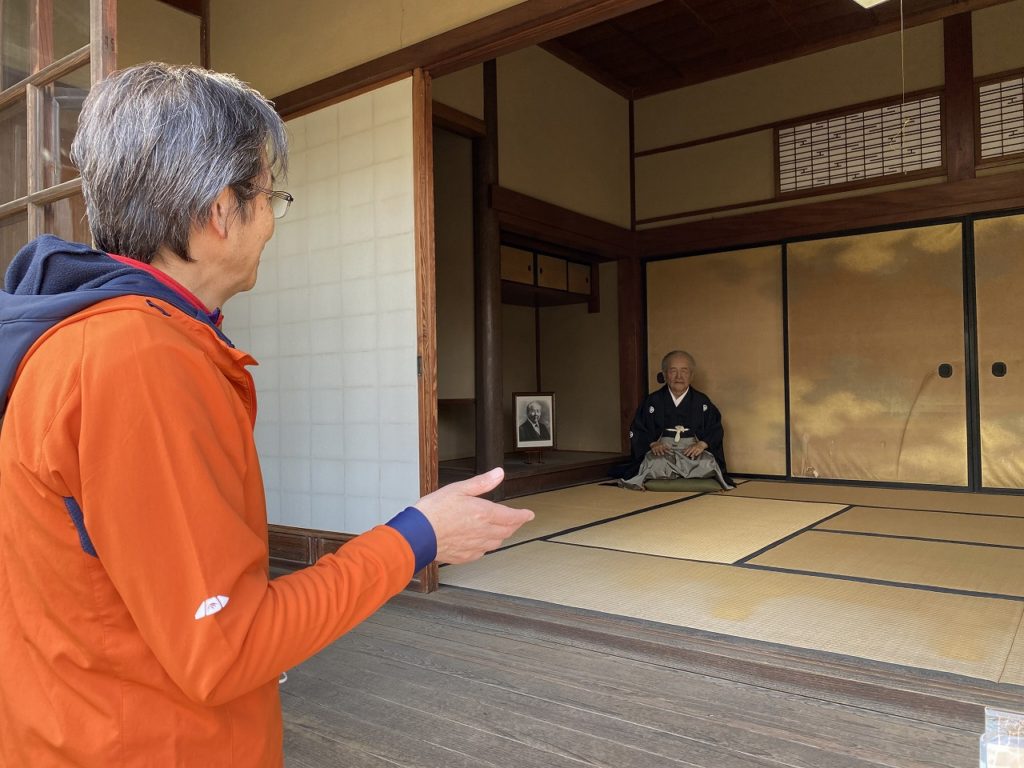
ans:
x=522 y=429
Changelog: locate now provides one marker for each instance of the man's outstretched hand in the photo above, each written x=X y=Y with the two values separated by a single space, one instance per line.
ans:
x=466 y=526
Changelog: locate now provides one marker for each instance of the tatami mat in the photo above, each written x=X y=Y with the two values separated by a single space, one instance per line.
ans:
x=1014 y=670
x=720 y=529
x=948 y=501
x=598 y=496
x=971 y=567
x=584 y=504
x=948 y=526
x=934 y=630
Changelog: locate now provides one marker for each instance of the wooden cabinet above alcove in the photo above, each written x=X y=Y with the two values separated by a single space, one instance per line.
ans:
x=532 y=277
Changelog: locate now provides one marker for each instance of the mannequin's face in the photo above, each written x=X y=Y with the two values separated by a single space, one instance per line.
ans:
x=678 y=374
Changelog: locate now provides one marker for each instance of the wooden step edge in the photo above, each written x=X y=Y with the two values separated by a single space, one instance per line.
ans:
x=970 y=689
x=946 y=710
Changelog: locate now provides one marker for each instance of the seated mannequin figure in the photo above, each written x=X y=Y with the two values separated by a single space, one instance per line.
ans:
x=677 y=431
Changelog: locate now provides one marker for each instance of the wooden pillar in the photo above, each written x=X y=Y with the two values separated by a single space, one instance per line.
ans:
x=490 y=435
x=959 y=125
x=204 y=34
x=102 y=38
x=632 y=385
x=631 y=375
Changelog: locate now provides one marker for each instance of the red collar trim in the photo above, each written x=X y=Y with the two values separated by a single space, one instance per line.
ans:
x=171 y=283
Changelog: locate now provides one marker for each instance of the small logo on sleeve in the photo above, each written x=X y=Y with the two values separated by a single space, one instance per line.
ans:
x=210 y=606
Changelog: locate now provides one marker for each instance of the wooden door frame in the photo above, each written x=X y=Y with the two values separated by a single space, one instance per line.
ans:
x=527 y=23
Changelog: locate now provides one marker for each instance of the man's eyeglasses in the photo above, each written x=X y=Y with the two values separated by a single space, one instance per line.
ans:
x=280 y=200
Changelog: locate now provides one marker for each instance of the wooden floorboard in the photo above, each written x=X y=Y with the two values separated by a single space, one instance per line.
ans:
x=638 y=707
x=436 y=680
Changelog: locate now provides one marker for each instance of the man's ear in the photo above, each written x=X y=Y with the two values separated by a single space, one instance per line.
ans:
x=222 y=210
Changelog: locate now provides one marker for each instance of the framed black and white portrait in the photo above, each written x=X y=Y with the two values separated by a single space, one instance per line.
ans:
x=535 y=419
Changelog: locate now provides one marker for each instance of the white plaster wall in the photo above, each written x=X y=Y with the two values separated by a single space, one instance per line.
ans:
x=332 y=321
x=998 y=35
x=562 y=137
x=579 y=362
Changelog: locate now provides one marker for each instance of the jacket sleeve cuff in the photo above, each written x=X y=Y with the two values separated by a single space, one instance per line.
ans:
x=419 y=533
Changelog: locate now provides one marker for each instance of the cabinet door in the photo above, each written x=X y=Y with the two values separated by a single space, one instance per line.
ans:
x=516 y=265
x=551 y=272
x=579 y=278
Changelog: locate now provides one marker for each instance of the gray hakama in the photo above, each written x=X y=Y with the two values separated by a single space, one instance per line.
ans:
x=675 y=464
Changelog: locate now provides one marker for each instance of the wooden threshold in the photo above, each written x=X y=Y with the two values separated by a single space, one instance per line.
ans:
x=924 y=695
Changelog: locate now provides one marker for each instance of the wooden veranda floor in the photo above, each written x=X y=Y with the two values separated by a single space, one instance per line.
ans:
x=462 y=678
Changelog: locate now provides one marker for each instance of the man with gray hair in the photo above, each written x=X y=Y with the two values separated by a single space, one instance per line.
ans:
x=138 y=623
x=677 y=431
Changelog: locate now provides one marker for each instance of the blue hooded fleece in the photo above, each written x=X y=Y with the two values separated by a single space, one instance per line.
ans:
x=50 y=280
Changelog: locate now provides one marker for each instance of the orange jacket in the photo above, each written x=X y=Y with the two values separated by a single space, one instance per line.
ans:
x=137 y=622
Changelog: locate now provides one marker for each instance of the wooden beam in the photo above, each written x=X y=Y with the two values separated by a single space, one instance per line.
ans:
x=527 y=23
x=457 y=121
x=998 y=192
x=529 y=216
x=194 y=7
x=960 y=117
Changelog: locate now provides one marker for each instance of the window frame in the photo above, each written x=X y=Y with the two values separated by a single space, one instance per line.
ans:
x=871 y=181
x=100 y=54
x=1012 y=158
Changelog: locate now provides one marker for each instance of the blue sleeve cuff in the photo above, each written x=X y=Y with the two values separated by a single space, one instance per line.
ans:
x=417 y=530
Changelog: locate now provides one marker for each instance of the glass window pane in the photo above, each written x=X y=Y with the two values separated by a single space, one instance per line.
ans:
x=66 y=218
x=15 y=23
x=62 y=102
x=70 y=26
x=13 y=235
x=876 y=357
x=13 y=152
